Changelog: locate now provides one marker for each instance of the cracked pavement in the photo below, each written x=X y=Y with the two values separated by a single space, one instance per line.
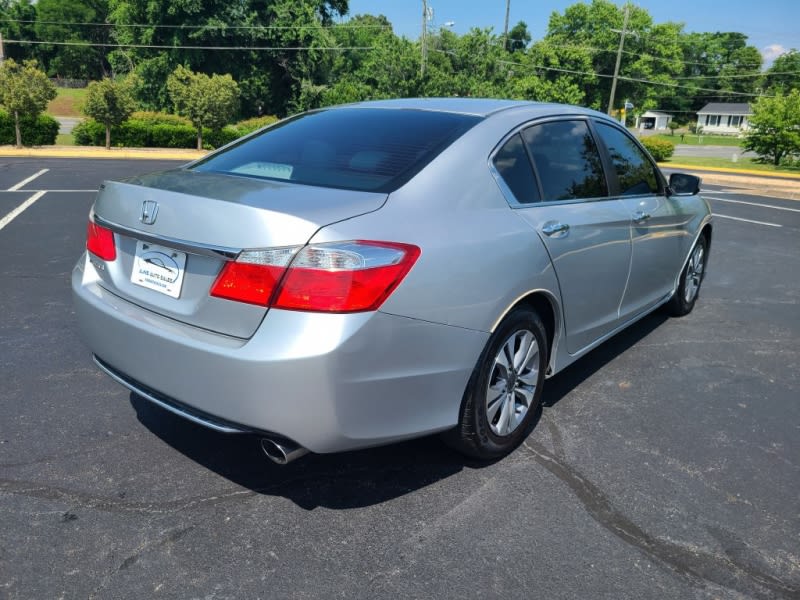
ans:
x=664 y=464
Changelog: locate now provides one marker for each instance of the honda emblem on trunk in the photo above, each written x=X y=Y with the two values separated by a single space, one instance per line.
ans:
x=149 y=212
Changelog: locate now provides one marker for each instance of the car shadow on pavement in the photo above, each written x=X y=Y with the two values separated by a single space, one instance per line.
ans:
x=337 y=481
x=359 y=478
x=567 y=380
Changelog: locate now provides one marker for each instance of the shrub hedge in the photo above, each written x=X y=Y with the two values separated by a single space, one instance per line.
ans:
x=41 y=131
x=161 y=130
x=250 y=125
x=659 y=149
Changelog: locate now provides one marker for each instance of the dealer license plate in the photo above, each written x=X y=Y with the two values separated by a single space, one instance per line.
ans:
x=159 y=268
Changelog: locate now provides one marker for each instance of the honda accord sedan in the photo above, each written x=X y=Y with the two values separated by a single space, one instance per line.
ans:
x=363 y=274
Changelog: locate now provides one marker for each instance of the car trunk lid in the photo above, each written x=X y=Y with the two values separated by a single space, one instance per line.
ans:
x=175 y=230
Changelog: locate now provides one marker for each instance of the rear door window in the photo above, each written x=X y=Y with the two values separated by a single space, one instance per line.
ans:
x=567 y=160
x=369 y=149
x=514 y=167
x=635 y=173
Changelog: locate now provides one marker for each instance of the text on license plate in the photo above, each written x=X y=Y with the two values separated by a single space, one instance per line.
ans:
x=159 y=268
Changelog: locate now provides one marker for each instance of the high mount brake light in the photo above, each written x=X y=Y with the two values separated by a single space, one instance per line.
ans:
x=100 y=242
x=338 y=278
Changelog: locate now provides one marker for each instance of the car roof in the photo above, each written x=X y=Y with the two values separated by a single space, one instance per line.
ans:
x=481 y=107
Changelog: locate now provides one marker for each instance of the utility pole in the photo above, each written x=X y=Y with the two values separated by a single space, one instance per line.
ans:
x=422 y=40
x=622 y=35
x=505 y=29
x=2 y=55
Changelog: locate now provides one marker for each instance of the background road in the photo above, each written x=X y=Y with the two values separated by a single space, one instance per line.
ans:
x=664 y=464
x=711 y=151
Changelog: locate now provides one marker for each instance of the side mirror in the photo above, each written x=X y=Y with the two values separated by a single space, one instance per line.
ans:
x=683 y=184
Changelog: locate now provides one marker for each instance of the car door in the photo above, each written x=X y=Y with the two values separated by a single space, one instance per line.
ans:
x=586 y=233
x=658 y=228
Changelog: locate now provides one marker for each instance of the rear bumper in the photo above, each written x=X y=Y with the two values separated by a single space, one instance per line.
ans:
x=328 y=382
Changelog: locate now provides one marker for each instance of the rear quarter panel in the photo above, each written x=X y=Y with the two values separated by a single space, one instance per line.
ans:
x=478 y=257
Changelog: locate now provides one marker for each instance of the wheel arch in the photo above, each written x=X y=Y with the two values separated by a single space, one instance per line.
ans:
x=707 y=230
x=544 y=303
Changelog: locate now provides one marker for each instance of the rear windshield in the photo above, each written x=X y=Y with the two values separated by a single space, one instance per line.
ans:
x=368 y=149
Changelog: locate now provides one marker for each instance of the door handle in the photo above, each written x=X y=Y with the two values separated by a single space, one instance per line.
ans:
x=640 y=216
x=554 y=227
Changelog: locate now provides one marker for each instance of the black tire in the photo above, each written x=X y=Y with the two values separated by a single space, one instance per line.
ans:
x=477 y=434
x=688 y=291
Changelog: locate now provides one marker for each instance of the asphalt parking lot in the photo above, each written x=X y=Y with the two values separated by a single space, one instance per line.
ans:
x=665 y=464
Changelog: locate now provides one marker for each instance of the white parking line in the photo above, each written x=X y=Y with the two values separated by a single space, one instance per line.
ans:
x=24 y=182
x=20 y=209
x=747 y=220
x=752 y=203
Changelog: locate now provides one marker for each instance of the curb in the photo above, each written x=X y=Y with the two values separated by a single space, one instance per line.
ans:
x=754 y=173
x=94 y=152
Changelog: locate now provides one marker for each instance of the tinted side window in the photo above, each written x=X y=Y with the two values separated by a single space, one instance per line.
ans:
x=567 y=160
x=511 y=161
x=635 y=172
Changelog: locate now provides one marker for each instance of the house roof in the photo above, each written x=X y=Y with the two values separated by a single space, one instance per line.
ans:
x=726 y=108
x=656 y=113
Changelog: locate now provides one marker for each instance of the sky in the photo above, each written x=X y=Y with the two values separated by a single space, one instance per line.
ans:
x=772 y=26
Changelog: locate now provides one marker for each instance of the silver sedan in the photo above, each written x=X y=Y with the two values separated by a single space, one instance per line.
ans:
x=359 y=275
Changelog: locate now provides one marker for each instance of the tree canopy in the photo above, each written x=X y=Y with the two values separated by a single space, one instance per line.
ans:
x=206 y=101
x=784 y=74
x=24 y=91
x=110 y=102
x=292 y=55
x=775 y=127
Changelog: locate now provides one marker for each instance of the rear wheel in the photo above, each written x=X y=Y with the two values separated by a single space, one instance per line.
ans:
x=688 y=290
x=505 y=389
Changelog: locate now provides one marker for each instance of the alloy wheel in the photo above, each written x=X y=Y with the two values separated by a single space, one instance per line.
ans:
x=694 y=273
x=512 y=382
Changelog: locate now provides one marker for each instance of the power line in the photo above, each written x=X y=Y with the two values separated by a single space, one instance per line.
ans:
x=343 y=26
x=594 y=49
x=594 y=74
x=342 y=48
x=721 y=93
x=218 y=26
x=183 y=47
x=739 y=75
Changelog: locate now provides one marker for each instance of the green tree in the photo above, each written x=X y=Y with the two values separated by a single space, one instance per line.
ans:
x=271 y=80
x=784 y=74
x=532 y=87
x=672 y=126
x=652 y=52
x=389 y=68
x=63 y=21
x=17 y=19
x=24 y=91
x=775 y=127
x=714 y=65
x=206 y=101
x=474 y=64
x=110 y=102
x=519 y=37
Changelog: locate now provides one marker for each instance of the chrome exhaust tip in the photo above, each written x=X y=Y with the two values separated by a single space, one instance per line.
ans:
x=282 y=452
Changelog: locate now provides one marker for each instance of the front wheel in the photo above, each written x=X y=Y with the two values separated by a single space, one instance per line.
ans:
x=688 y=290
x=505 y=389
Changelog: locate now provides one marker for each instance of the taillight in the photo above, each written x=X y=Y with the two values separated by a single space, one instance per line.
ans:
x=253 y=277
x=100 y=242
x=342 y=277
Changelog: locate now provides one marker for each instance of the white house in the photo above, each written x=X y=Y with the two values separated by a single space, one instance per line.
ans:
x=724 y=117
x=653 y=119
